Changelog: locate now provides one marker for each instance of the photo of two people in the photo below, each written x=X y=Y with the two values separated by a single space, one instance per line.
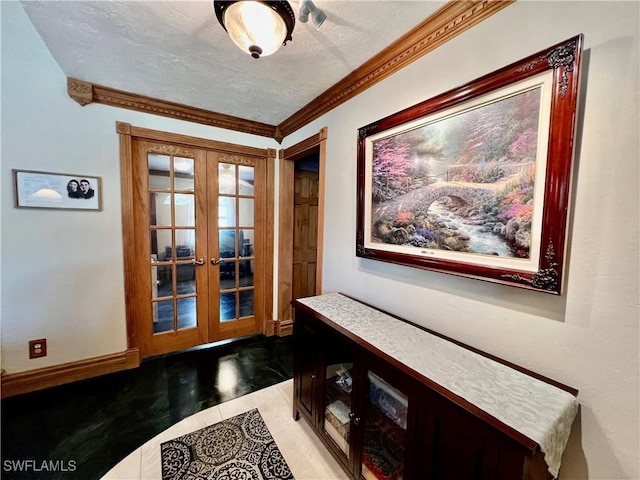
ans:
x=80 y=189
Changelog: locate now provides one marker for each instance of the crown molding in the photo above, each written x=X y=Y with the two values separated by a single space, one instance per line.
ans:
x=449 y=21
x=85 y=93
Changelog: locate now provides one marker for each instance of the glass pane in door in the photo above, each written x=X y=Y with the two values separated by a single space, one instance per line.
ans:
x=172 y=237
x=227 y=275
x=228 y=307
x=337 y=395
x=160 y=209
x=162 y=316
x=227 y=243
x=246 y=181
x=227 y=248
x=187 y=312
x=246 y=302
x=185 y=208
x=161 y=284
x=246 y=273
x=246 y=212
x=161 y=240
x=236 y=209
x=185 y=266
x=226 y=211
x=183 y=171
x=385 y=426
x=226 y=179
x=159 y=171
x=246 y=247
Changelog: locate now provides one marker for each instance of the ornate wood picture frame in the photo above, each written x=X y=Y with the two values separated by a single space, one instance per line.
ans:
x=476 y=181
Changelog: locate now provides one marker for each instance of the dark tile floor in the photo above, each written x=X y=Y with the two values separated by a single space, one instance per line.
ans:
x=97 y=422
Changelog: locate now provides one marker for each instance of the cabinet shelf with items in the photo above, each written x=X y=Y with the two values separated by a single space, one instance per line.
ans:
x=393 y=401
x=384 y=430
x=337 y=404
x=324 y=386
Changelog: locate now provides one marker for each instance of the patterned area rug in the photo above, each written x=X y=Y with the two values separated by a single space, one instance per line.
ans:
x=240 y=448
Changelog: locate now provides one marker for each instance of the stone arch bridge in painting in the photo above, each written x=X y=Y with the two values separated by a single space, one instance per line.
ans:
x=419 y=200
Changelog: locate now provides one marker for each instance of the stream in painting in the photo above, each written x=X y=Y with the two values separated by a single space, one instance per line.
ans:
x=480 y=240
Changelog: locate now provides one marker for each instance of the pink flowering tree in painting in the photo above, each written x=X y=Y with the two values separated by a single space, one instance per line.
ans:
x=391 y=167
x=524 y=147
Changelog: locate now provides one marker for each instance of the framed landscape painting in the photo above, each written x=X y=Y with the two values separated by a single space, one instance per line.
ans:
x=476 y=181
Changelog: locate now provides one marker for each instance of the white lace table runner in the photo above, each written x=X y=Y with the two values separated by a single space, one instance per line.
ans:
x=540 y=411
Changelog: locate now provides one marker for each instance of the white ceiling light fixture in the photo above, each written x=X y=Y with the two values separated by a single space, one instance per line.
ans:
x=258 y=28
x=308 y=9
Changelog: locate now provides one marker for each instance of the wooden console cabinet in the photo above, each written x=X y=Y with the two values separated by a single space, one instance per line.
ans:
x=363 y=381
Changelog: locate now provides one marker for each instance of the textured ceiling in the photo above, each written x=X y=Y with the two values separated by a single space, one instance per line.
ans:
x=177 y=51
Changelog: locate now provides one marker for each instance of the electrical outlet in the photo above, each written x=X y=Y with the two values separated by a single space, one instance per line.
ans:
x=38 y=348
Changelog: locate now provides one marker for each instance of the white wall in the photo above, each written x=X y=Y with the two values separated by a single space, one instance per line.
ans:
x=62 y=271
x=587 y=338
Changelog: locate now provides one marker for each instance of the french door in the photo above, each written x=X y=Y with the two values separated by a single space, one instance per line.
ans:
x=198 y=220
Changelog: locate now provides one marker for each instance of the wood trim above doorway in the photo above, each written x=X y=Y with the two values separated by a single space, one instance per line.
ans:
x=285 y=233
x=197 y=142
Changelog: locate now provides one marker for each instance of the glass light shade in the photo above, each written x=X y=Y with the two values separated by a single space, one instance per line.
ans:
x=254 y=24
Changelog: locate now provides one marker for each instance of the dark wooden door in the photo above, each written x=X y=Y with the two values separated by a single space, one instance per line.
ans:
x=305 y=233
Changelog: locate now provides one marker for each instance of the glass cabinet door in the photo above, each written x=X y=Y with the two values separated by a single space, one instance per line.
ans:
x=384 y=430
x=338 y=385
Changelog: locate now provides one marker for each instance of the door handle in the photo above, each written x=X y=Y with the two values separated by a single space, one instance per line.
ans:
x=215 y=262
x=355 y=418
x=200 y=261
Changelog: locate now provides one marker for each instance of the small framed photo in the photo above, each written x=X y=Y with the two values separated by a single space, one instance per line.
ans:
x=33 y=189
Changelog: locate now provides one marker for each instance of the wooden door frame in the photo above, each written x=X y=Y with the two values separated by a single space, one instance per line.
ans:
x=126 y=133
x=287 y=158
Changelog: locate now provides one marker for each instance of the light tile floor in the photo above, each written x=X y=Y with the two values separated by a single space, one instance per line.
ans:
x=306 y=456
